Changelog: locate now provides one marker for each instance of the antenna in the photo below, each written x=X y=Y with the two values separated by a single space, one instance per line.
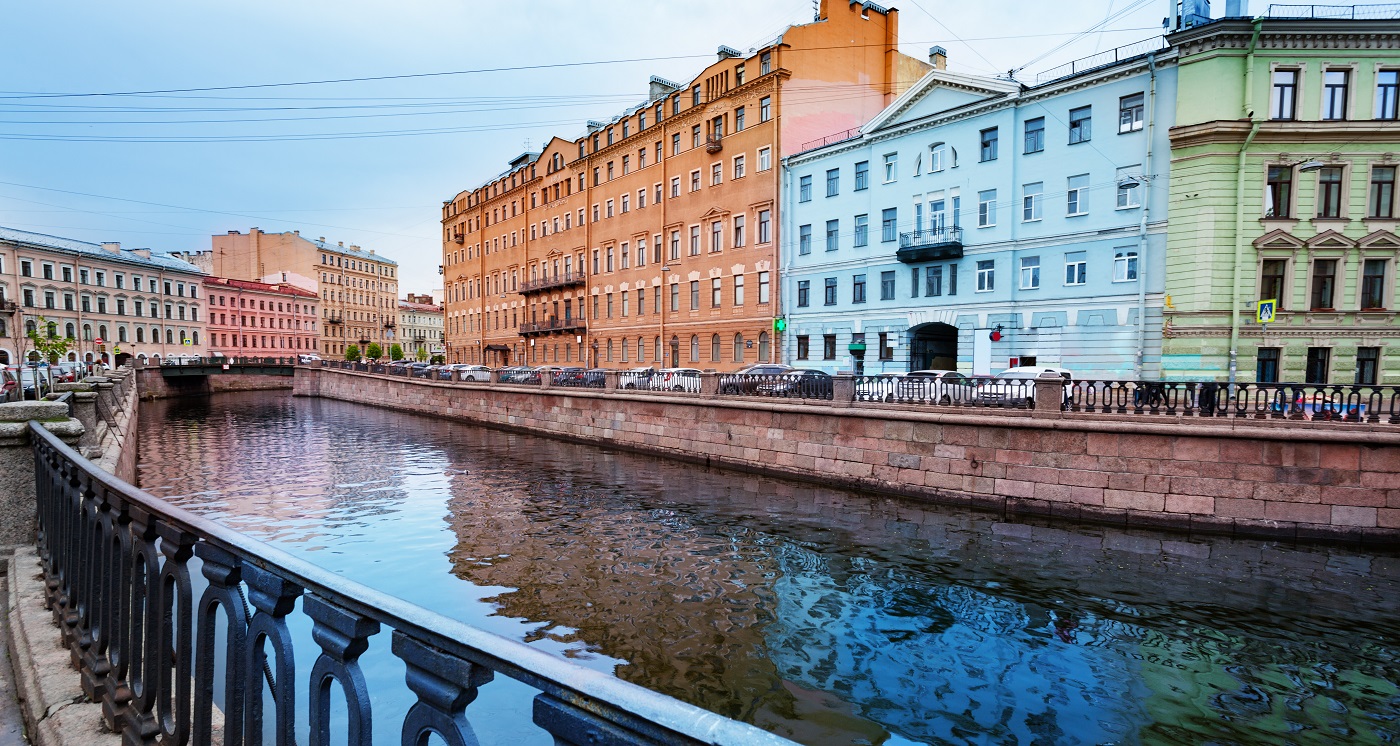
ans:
x=527 y=145
x=816 y=10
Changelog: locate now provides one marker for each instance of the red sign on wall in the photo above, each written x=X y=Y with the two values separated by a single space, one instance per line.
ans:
x=1013 y=362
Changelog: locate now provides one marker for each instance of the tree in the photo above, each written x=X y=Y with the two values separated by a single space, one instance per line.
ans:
x=421 y=354
x=352 y=353
x=374 y=351
x=50 y=346
x=396 y=351
x=439 y=360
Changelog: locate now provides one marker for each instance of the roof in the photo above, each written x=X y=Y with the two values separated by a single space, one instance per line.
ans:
x=280 y=288
x=357 y=253
x=74 y=246
x=419 y=307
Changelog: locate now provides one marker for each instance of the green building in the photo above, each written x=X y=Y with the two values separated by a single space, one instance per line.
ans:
x=1283 y=176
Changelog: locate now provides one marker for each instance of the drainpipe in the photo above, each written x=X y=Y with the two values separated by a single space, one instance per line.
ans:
x=1147 y=175
x=784 y=277
x=1239 y=201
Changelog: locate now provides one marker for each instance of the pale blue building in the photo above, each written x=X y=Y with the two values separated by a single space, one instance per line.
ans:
x=978 y=207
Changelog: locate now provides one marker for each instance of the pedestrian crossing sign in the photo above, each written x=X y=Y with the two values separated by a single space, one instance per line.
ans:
x=1264 y=314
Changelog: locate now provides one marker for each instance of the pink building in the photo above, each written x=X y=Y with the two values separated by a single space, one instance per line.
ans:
x=249 y=318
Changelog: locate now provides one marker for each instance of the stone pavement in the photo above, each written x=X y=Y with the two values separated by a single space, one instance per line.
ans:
x=11 y=721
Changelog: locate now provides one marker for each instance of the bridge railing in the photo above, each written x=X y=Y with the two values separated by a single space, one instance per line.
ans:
x=119 y=562
x=178 y=362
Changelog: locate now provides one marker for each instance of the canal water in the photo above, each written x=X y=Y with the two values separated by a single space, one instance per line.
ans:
x=827 y=616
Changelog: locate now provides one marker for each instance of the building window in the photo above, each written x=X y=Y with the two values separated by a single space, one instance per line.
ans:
x=891 y=167
x=829 y=298
x=695 y=180
x=889 y=224
x=1334 y=94
x=1128 y=187
x=1271 y=280
x=1125 y=266
x=739 y=238
x=858 y=288
x=1130 y=113
x=738 y=166
x=804 y=293
x=763 y=285
x=987 y=208
x=1266 y=365
x=804 y=189
x=804 y=239
x=986 y=276
x=675 y=186
x=765 y=63
x=887 y=285
x=862 y=237
x=933 y=282
x=695 y=295
x=828 y=346
x=738 y=290
x=1031 y=199
x=1388 y=94
x=833 y=233
x=1030 y=272
x=739 y=115
x=1077 y=196
x=1382 y=192
x=1324 y=279
x=989 y=144
x=804 y=347
x=1076 y=268
x=765 y=226
x=935 y=157
x=862 y=176
x=1080 y=124
x=716 y=174
x=1278 y=195
x=1283 y=102
x=765 y=108
x=716 y=236
x=833 y=182
x=714 y=348
x=1319 y=363
x=1367 y=365
x=716 y=292
x=1035 y=135
x=695 y=240
x=1329 y=192
x=1373 y=284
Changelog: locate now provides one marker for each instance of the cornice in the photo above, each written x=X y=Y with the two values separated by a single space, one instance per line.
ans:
x=1234 y=131
x=1287 y=34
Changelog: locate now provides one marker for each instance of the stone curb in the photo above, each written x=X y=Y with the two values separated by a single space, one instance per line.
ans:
x=56 y=712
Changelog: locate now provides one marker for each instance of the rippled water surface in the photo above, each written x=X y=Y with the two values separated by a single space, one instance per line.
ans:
x=827 y=616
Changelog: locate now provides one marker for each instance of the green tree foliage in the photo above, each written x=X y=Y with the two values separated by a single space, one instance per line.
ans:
x=50 y=346
x=374 y=351
x=396 y=351
x=352 y=353
x=421 y=355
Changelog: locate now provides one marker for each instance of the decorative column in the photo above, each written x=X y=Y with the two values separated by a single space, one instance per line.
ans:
x=17 y=500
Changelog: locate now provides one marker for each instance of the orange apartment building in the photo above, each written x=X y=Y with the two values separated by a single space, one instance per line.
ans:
x=653 y=239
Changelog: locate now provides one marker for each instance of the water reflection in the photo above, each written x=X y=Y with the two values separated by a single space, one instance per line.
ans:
x=827 y=616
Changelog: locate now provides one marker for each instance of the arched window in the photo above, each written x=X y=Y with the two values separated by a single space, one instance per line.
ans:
x=70 y=331
x=30 y=326
x=53 y=329
x=714 y=348
x=87 y=332
x=695 y=348
x=169 y=336
x=610 y=351
x=182 y=336
x=738 y=348
x=102 y=333
x=4 y=357
x=641 y=349
x=194 y=337
x=763 y=347
x=121 y=334
x=657 y=357
x=626 y=343
x=140 y=335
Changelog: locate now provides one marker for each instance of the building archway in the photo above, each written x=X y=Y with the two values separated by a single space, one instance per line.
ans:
x=933 y=347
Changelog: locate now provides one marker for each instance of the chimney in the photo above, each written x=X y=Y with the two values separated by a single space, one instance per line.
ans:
x=322 y=239
x=296 y=233
x=146 y=253
x=341 y=244
x=725 y=52
x=370 y=251
x=938 y=57
x=112 y=247
x=353 y=247
x=234 y=233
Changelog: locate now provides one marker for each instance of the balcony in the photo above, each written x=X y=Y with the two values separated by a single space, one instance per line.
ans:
x=459 y=237
x=389 y=325
x=916 y=247
x=552 y=326
x=714 y=143
x=567 y=279
x=333 y=320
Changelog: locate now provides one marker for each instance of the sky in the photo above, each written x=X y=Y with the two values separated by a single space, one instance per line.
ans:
x=370 y=162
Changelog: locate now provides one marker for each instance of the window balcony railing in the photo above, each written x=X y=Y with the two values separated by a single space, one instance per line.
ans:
x=333 y=320
x=930 y=246
x=564 y=280
x=553 y=326
x=714 y=143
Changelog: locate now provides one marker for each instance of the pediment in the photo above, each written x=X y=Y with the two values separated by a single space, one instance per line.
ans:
x=714 y=212
x=1279 y=239
x=1330 y=239
x=939 y=91
x=1380 y=240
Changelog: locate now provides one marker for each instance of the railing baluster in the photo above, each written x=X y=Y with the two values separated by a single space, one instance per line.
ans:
x=174 y=653
x=343 y=637
x=445 y=685
x=223 y=571
x=273 y=598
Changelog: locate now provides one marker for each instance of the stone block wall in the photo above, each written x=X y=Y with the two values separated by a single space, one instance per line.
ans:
x=155 y=386
x=1232 y=477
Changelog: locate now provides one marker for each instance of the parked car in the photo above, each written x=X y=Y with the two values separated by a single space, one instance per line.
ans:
x=637 y=378
x=798 y=383
x=35 y=382
x=1016 y=386
x=304 y=358
x=471 y=372
x=676 y=379
x=68 y=372
x=9 y=384
x=746 y=380
x=516 y=374
x=569 y=376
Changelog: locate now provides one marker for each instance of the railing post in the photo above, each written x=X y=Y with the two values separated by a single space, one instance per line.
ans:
x=843 y=391
x=343 y=636
x=274 y=598
x=546 y=379
x=495 y=376
x=456 y=376
x=709 y=384
x=610 y=380
x=445 y=685
x=1049 y=396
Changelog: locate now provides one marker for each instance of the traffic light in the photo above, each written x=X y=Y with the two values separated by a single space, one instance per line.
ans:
x=779 y=324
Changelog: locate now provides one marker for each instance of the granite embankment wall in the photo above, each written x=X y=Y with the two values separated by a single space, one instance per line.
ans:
x=1241 y=477
x=153 y=385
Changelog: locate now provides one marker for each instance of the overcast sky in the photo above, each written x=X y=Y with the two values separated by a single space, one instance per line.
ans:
x=160 y=171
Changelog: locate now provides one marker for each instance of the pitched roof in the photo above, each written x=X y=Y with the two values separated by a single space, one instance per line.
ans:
x=71 y=245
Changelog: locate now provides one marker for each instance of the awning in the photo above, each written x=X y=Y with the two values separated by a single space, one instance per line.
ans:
x=497 y=348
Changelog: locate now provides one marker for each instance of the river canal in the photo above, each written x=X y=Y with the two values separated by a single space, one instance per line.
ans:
x=827 y=616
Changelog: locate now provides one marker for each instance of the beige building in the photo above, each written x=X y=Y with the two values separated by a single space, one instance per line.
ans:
x=114 y=303
x=359 y=289
x=420 y=327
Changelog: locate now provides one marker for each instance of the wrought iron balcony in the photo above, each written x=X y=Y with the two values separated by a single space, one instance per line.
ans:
x=553 y=326
x=389 y=325
x=930 y=246
x=333 y=320
x=567 y=279
x=714 y=143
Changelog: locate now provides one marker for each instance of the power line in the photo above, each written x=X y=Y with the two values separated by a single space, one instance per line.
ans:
x=1092 y=29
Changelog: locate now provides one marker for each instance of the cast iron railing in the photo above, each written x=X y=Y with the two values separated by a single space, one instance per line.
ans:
x=118 y=565
x=1290 y=401
x=965 y=392
x=777 y=385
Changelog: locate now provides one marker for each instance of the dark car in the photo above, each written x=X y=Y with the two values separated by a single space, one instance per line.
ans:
x=801 y=383
x=570 y=376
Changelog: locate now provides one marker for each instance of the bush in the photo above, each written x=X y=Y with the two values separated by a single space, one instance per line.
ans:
x=352 y=353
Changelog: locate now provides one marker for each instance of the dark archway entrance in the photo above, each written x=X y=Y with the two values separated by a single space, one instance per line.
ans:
x=933 y=347
x=123 y=358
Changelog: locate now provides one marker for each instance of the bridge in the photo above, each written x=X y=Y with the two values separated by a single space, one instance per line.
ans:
x=210 y=375
x=211 y=366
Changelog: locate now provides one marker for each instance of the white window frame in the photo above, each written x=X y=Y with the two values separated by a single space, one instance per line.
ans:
x=1030 y=272
x=891 y=163
x=1126 y=198
x=1080 y=265
x=1075 y=203
x=765 y=159
x=986 y=276
x=987 y=209
x=1125 y=260
x=1032 y=202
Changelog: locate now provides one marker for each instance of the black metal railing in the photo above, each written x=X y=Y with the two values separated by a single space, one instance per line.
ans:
x=777 y=385
x=154 y=644
x=197 y=361
x=1277 y=401
x=1342 y=12
x=552 y=325
x=549 y=282
x=583 y=379
x=963 y=392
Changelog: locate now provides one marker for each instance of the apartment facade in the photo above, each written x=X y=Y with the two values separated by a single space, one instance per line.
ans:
x=257 y=319
x=981 y=223
x=114 y=303
x=652 y=239
x=1284 y=163
x=357 y=288
x=420 y=327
